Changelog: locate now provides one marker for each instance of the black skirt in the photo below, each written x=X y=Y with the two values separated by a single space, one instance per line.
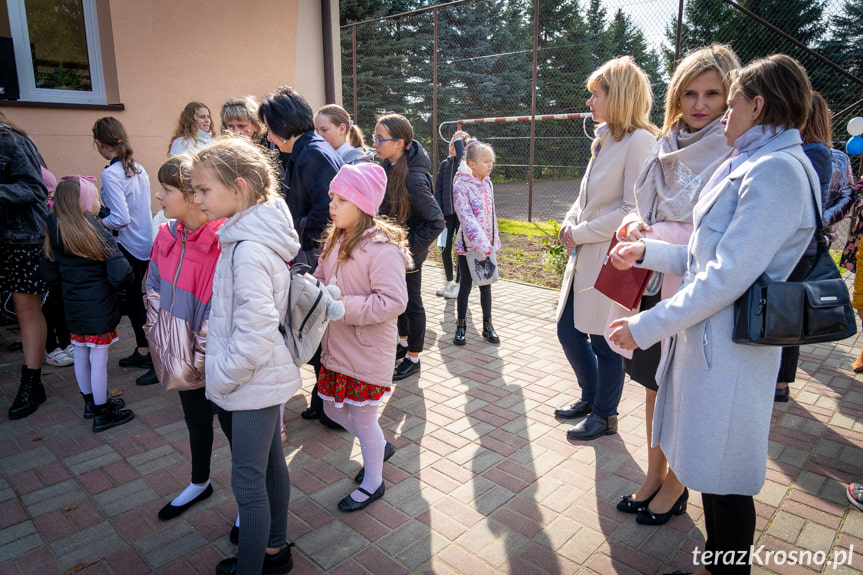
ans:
x=642 y=367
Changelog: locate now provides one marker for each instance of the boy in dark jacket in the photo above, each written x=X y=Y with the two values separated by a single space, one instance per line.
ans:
x=443 y=194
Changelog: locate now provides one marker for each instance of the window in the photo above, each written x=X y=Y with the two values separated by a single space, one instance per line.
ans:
x=57 y=51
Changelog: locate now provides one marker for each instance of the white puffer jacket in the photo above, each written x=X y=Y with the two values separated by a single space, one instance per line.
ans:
x=248 y=365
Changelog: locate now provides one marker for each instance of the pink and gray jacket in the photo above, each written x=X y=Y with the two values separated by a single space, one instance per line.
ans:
x=179 y=290
x=473 y=200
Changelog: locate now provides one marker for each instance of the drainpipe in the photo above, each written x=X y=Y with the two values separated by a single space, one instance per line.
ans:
x=329 y=72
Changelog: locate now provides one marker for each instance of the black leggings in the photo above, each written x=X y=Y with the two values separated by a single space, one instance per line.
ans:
x=132 y=298
x=198 y=412
x=730 y=524
x=55 y=319
x=452 y=224
x=465 y=285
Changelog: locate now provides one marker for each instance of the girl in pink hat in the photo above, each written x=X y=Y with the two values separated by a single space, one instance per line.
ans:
x=366 y=257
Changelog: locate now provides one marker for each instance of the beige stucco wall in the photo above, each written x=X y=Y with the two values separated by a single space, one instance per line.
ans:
x=170 y=52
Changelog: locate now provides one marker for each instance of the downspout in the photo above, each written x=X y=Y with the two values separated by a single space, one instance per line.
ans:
x=327 y=35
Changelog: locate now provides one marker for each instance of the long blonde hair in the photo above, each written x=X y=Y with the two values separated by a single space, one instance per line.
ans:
x=350 y=239
x=718 y=57
x=629 y=96
x=75 y=233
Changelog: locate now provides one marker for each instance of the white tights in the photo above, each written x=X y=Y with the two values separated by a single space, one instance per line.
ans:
x=91 y=371
x=362 y=422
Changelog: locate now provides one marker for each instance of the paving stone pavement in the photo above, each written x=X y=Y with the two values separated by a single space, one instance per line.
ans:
x=484 y=480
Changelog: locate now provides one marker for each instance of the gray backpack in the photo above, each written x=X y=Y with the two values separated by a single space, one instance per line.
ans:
x=311 y=306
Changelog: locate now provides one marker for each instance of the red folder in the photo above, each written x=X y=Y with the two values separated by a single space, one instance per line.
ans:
x=625 y=287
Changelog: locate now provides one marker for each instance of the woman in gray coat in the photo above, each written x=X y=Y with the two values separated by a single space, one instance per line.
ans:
x=715 y=398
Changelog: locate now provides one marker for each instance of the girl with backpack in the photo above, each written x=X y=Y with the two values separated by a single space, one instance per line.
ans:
x=82 y=258
x=366 y=258
x=181 y=270
x=473 y=200
x=249 y=368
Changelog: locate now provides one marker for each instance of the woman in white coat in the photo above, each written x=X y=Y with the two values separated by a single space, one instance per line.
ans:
x=620 y=102
x=715 y=399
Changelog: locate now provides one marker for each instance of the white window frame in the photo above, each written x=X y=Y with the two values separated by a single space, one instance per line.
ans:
x=24 y=59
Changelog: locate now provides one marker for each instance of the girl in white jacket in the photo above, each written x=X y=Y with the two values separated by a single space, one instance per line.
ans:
x=249 y=369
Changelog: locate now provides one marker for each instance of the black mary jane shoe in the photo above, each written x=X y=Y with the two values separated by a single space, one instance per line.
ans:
x=782 y=394
x=348 y=504
x=648 y=517
x=170 y=511
x=629 y=505
x=281 y=562
x=310 y=413
x=578 y=409
x=389 y=451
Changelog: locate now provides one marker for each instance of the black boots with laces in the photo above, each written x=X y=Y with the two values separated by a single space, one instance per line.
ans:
x=31 y=393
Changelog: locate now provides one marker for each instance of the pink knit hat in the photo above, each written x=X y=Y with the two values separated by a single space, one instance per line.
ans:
x=363 y=185
x=88 y=190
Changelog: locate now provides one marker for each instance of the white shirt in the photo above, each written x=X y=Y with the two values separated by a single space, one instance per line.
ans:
x=183 y=145
x=129 y=202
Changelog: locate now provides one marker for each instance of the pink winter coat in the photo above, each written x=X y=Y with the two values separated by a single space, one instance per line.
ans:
x=363 y=343
x=473 y=202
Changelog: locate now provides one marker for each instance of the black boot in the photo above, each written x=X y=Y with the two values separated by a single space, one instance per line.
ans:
x=90 y=407
x=461 y=327
x=488 y=332
x=31 y=393
x=108 y=416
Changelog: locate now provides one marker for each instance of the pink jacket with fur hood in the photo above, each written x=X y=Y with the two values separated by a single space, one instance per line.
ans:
x=362 y=344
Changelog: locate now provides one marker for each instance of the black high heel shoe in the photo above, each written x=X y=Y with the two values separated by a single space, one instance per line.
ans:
x=629 y=505
x=648 y=517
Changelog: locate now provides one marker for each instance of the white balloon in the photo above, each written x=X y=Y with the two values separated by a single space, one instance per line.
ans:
x=855 y=126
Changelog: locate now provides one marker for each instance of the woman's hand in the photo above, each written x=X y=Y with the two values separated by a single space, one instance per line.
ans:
x=620 y=335
x=625 y=254
x=635 y=231
x=565 y=237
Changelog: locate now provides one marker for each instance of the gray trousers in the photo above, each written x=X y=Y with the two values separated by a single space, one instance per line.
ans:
x=261 y=484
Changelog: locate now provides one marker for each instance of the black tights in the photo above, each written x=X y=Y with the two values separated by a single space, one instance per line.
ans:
x=446 y=251
x=730 y=524
x=465 y=285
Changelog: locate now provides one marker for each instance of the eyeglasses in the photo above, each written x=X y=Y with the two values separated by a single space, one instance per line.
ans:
x=378 y=140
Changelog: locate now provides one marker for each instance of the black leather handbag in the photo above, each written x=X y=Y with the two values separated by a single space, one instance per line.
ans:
x=815 y=309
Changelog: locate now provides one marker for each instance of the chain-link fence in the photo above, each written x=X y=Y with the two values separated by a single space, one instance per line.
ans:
x=482 y=59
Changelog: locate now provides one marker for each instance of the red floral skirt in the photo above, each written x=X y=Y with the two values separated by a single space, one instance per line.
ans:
x=103 y=340
x=342 y=389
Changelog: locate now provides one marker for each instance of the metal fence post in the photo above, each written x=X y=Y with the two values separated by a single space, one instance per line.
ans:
x=354 y=51
x=434 y=93
x=533 y=112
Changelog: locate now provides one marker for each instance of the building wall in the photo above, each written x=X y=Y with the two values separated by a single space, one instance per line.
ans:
x=170 y=52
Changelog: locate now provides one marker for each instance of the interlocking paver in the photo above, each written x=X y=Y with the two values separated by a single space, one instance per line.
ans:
x=483 y=481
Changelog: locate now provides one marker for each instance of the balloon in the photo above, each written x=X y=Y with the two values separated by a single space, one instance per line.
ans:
x=855 y=126
x=854 y=146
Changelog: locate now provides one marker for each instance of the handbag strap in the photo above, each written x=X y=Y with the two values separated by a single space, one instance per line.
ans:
x=820 y=238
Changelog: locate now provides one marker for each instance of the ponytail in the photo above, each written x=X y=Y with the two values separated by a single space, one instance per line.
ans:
x=340 y=116
x=355 y=137
x=111 y=133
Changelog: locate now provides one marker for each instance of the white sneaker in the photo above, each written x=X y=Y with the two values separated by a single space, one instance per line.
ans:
x=441 y=292
x=58 y=358
x=452 y=291
x=70 y=351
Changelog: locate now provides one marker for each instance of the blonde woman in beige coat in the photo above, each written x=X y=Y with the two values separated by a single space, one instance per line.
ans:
x=620 y=103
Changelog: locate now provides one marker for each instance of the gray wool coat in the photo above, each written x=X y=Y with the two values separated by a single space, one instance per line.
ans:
x=715 y=397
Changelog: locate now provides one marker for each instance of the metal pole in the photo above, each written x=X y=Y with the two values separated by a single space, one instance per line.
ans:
x=533 y=112
x=327 y=33
x=434 y=93
x=354 y=50
x=677 y=41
